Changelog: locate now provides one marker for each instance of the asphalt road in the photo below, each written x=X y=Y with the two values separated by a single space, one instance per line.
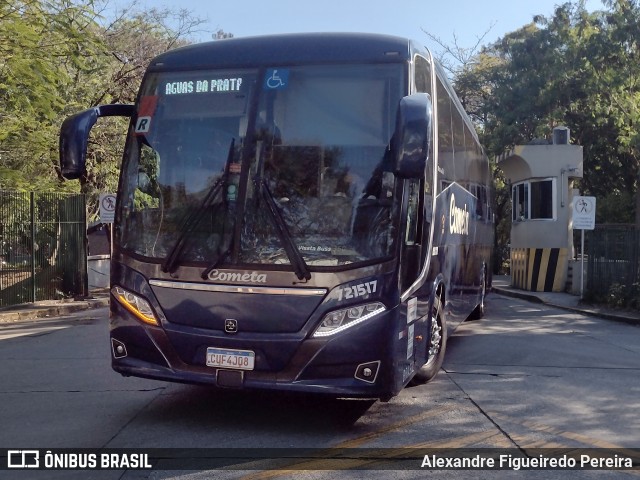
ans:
x=527 y=376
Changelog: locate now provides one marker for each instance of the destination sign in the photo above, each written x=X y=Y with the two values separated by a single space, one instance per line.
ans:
x=232 y=84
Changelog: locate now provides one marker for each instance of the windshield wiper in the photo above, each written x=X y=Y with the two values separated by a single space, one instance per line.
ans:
x=217 y=259
x=196 y=215
x=299 y=265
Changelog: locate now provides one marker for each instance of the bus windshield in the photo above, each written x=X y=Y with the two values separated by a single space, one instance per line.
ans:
x=262 y=166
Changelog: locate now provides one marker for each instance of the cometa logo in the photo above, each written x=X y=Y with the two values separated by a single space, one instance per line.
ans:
x=246 y=277
x=458 y=218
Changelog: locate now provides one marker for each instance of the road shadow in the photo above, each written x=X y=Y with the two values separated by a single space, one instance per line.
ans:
x=221 y=409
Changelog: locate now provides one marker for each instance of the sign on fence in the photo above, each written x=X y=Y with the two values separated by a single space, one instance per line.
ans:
x=107 y=207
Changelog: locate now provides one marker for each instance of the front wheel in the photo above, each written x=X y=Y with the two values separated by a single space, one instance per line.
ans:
x=437 y=345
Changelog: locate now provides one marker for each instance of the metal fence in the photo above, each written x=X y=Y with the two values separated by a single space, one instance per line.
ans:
x=42 y=247
x=613 y=263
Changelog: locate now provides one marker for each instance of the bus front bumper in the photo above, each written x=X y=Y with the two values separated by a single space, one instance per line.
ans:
x=355 y=363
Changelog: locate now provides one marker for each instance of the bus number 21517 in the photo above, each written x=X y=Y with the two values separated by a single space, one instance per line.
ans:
x=355 y=291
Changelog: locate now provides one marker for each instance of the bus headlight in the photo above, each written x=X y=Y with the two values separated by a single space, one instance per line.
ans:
x=137 y=305
x=339 y=320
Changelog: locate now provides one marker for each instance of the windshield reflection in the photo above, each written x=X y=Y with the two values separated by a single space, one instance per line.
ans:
x=319 y=145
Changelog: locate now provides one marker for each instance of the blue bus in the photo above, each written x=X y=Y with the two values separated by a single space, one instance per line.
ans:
x=304 y=212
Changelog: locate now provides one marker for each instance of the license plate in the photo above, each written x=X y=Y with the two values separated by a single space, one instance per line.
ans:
x=234 y=359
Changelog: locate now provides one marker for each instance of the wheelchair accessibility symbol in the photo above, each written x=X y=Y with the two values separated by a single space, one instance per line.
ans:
x=276 y=79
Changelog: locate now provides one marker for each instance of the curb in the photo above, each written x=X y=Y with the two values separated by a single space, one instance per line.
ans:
x=34 y=311
x=630 y=319
x=520 y=295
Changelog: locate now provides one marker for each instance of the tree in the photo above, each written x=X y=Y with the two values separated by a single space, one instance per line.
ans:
x=577 y=69
x=573 y=68
x=58 y=57
x=615 y=51
x=38 y=42
x=456 y=58
x=130 y=42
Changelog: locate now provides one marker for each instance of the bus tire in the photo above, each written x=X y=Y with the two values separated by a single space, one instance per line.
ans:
x=437 y=346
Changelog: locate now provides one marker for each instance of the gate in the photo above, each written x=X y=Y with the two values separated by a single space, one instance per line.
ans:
x=42 y=247
x=613 y=264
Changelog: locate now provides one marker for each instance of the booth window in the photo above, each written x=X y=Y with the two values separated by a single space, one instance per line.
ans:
x=534 y=200
x=520 y=201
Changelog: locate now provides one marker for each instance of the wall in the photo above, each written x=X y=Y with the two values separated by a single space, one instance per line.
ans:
x=98 y=267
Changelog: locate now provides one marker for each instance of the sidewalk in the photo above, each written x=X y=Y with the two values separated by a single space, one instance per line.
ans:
x=565 y=301
x=52 y=308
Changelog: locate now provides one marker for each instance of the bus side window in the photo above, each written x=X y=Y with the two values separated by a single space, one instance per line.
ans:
x=422 y=75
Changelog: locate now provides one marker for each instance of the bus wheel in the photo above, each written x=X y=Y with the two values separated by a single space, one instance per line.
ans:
x=437 y=346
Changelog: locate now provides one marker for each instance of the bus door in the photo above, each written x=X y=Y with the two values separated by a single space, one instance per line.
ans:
x=414 y=254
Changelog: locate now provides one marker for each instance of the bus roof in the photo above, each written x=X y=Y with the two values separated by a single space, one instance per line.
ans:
x=287 y=49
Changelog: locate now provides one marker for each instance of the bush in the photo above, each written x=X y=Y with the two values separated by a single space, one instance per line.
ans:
x=624 y=296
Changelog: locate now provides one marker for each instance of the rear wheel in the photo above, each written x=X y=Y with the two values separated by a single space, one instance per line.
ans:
x=437 y=345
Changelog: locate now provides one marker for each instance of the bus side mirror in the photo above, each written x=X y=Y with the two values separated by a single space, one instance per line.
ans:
x=413 y=135
x=74 y=136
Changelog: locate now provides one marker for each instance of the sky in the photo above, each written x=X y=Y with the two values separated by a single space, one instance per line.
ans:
x=466 y=21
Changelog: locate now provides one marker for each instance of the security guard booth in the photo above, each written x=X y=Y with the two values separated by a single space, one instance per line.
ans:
x=541 y=177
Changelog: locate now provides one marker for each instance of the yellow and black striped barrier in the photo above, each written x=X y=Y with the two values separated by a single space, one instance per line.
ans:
x=539 y=269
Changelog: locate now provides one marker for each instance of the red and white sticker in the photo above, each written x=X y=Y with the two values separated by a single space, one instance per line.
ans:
x=146 y=109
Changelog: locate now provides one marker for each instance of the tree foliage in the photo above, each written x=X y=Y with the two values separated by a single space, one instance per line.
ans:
x=38 y=53
x=573 y=68
x=58 y=57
